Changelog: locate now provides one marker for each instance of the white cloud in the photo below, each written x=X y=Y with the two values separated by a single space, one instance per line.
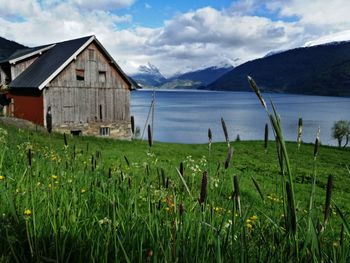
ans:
x=187 y=40
x=103 y=4
x=318 y=16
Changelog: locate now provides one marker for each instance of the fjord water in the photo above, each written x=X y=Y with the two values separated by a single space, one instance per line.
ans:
x=184 y=116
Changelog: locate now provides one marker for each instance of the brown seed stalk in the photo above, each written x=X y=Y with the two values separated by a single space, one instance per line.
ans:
x=225 y=131
x=236 y=194
x=228 y=157
x=316 y=146
x=257 y=91
x=182 y=169
x=300 y=131
x=65 y=139
x=210 y=136
x=204 y=185
x=266 y=137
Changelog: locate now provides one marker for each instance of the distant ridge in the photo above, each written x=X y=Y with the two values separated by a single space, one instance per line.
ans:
x=8 y=47
x=149 y=76
x=316 y=70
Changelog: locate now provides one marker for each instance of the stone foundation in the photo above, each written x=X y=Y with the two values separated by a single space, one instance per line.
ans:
x=120 y=130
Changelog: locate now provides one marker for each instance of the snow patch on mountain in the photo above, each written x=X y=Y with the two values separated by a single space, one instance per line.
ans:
x=329 y=39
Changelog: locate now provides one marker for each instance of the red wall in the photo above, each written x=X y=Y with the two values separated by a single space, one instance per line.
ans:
x=29 y=105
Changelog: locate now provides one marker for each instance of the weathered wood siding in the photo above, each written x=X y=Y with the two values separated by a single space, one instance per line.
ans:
x=79 y=101
x=19 y=67
x=2 y=76
x=82 y=105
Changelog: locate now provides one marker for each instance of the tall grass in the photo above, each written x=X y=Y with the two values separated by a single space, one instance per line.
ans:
x=85 y=199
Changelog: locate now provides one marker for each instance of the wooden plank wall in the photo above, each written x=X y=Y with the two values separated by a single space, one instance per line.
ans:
x=19 y=67
x=2 y=76
x=77 y=101
x=82 y=105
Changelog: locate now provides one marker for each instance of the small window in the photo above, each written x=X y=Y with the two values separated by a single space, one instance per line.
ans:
x=76 y=132
x=80 y=74
x=91 y=54
x=104 y=131
x=102 y=76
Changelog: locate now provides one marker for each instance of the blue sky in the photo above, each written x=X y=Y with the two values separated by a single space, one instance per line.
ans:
x=178 y=36
x=154 y=13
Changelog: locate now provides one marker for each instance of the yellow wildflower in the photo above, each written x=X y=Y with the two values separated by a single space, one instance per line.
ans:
x=54 y=177
x=249 y=226
x=2 y=177
x=83 y=190
x=27 y=212
x=254 y=218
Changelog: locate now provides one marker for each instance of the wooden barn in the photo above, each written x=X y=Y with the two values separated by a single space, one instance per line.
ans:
x=76 y=81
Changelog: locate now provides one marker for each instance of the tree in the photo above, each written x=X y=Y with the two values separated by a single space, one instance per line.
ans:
x=341 y=130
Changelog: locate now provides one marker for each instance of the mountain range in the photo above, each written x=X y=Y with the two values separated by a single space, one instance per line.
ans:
x=8 y=47
x=149 y=76
x=313 y=70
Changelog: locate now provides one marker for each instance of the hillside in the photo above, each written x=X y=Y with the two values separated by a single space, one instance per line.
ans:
x=8 y=47
x=82 y=198
x=317 y=70
x=204 y=76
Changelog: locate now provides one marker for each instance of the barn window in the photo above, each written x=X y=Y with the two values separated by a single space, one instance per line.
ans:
x=104 y=131
x=80 y=74
x=76 y=132
x=102 y=76
x=91 y=54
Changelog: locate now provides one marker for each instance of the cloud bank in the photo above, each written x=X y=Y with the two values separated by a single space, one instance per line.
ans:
x=245 y=30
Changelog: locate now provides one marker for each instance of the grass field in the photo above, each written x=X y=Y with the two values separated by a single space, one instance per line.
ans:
x=101 y=200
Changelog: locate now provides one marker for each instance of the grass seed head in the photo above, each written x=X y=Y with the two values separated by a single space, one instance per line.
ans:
x=225 y=131
x=257 y=91
x=300 y=131
x=210 y=136
x=182 y=169
x=228 y=157
x=29 y=156
x=236 y=193
x=266 y=136
x=317 y=143
x=204 y=185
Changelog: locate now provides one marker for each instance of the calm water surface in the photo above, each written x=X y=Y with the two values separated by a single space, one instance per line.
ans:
x=184 y=116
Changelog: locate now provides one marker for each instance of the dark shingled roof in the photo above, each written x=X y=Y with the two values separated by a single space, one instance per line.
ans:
x=47 y=64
